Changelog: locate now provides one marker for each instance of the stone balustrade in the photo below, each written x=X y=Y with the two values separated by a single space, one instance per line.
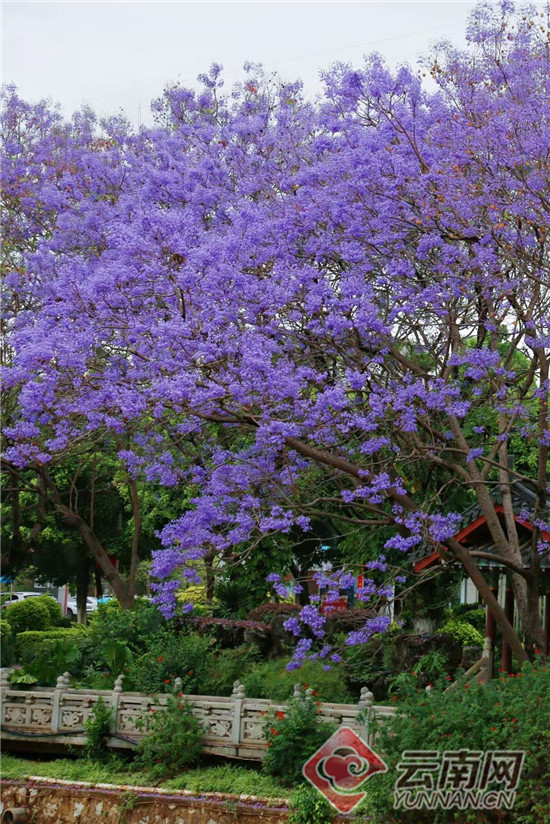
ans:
x=233 y=726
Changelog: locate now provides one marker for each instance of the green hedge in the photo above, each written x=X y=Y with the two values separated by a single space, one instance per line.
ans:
x=46 y=655
x=7 y=645
x=32 y=644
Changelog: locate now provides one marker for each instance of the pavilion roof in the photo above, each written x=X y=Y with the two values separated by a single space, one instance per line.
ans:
x=523 y=502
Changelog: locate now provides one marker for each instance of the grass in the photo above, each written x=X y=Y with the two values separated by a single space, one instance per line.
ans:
x=224 y=778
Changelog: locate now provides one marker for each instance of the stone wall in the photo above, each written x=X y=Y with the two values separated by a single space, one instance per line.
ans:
x=62 y=802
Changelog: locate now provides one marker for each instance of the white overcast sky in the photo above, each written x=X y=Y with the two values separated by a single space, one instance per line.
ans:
x=120 y=55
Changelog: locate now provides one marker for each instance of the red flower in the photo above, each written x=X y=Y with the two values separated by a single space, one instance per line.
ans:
x=160 y=658
x=273 y=731
x=493 y=729
x=166 y=680
x=305 y=686
x=190 y=672
x=279 y=715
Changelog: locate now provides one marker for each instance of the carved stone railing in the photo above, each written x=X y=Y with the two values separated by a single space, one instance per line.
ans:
x=233 y=726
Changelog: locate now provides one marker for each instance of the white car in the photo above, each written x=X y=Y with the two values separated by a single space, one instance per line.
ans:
x=11 y=597
x=91 y=606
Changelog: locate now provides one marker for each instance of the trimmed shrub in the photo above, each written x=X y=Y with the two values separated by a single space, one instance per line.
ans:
x=471 y=613
x=228 y=632
x=292 y=737
x=33 y=644
x=267 y=612
x=46 y=655
x=7 y=645
x=54 y=610
x=30 y=614
x=271 y=679
x=464 y=632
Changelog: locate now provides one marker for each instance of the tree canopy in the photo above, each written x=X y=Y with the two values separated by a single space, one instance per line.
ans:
x=270 y=288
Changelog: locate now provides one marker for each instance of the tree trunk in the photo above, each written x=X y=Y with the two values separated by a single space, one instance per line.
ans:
x=98 y=552
x=82 y=586
x=210 y=578
x=98 y=583
x=508 y=632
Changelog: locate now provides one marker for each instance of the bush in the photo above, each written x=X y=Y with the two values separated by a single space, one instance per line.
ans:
x=463 y=632
x=30 y=614
x=46 y=655
x=471 y=613
x=173 y=740
x=292 y=737
x=54 y=610
x=271 y=679
x=509 y=713
x=307 y=806
x=232 y=599
x=136 y=628
x=7 y=645
x=97 y=729
x=33 y=644
x=226 y=666
x=187 y=657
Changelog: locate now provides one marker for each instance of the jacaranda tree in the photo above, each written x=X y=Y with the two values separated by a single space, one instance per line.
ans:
x=356 y=287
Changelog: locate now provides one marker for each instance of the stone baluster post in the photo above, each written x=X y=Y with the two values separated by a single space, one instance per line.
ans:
x=4 y=687
x=366 y=702
x=115 y=700
x=297 y=690
x=60 y=687
x=237 y=697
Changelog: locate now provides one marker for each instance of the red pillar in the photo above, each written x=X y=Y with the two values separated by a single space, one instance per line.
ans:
x=490 y=628
x=506 y=660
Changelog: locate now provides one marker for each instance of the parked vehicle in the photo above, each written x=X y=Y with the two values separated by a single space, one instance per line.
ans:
x=91 y=606
x=11 y=597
